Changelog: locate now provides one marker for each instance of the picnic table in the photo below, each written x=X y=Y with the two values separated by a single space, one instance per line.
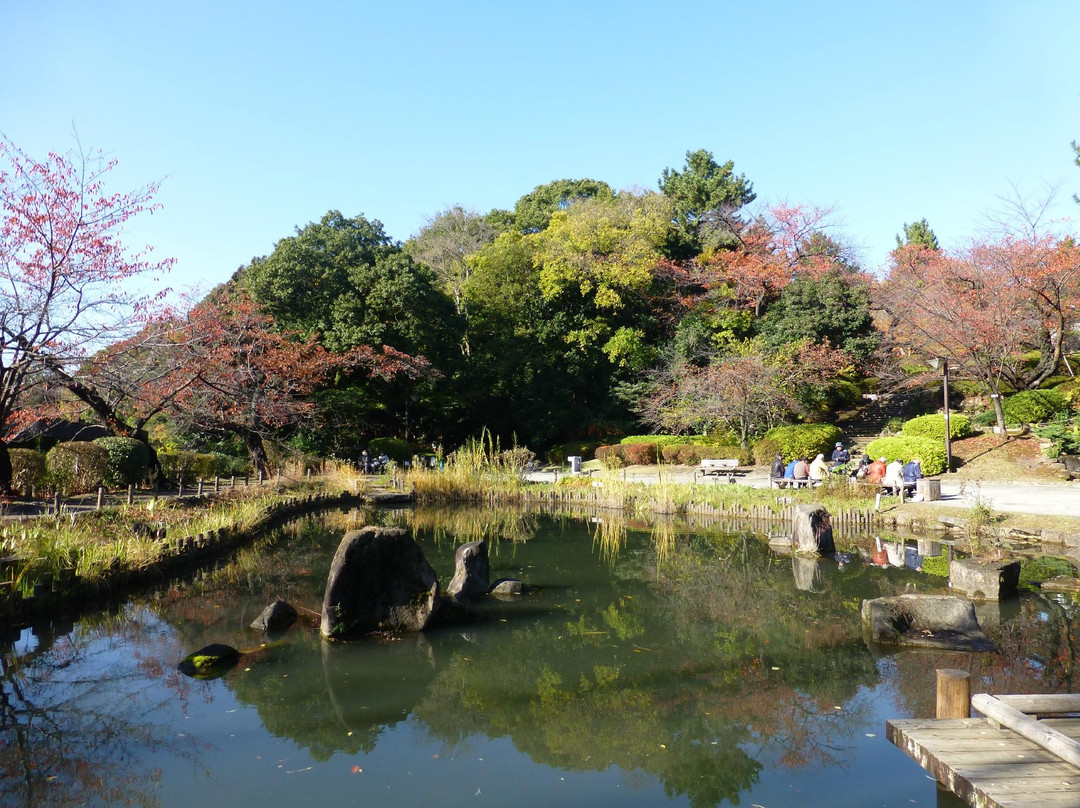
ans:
x=723 y=467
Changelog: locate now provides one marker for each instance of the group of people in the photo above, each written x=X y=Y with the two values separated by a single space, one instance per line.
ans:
x=895 y=476
x=374 y=465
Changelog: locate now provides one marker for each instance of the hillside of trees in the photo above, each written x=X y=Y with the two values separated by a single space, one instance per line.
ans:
x=582 y=315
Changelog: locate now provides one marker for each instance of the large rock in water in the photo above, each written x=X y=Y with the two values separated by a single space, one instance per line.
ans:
x=811 y=530
x=379 y=581
x=927 y=621
x=471 y=571
x=278 y=616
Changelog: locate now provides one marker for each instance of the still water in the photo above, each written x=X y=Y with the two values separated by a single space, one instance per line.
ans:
x=650 y=667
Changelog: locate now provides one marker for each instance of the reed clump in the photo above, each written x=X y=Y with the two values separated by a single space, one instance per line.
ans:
x=479 y=470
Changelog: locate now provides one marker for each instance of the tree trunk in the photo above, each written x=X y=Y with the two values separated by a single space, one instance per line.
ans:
x=254 y=443
x=5 y=469
x=998 y=412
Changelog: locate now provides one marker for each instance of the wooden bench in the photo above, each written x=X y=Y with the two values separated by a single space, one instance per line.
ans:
x=788 y=482
x=726 y=467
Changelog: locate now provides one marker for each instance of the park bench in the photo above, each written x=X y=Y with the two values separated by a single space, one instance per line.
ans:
x=726 y=467
x=788 y=482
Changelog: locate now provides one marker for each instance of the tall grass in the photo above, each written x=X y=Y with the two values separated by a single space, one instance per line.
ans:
x=480 y=469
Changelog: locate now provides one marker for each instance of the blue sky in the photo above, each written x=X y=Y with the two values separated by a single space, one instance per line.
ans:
x=263 y=116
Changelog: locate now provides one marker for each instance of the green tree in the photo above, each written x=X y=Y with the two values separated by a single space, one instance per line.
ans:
x=707 y=196
x=833 y=308
x=447 y=244
x=534 y=210
x=919 y=234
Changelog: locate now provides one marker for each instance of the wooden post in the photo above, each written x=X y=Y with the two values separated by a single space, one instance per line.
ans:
x=953 y=693
x=100 y=497
x=56 y=503
x=232 y=481
x=180 y=488
x=217 y=483
x=131 y=494
x=200 y=487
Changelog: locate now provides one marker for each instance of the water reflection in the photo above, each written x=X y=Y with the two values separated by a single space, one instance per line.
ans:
x=696 y=666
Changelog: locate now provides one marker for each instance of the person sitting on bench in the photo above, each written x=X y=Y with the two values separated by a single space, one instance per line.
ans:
x=894 y=477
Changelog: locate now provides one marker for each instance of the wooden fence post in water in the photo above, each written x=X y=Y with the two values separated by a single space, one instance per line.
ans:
x=953 y=693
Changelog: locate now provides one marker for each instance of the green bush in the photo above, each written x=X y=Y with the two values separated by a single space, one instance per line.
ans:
x=1033 y=406
x=128 y=461
x=765 y=450
x=1064 y=438
x=586 y=450
x=188 y=466
x=27 y=469
x=907 y=447
x=988 y=418
x=76 y=467
x=933 y=426
x=803 y=440
x=396 y=449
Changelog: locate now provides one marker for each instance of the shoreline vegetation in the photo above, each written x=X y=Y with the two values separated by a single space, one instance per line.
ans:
x=56 y=560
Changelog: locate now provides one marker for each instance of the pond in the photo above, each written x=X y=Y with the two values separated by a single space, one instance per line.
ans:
x=652 y=665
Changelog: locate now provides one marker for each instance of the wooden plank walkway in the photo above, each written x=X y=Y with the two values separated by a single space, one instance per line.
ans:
x=990 y=767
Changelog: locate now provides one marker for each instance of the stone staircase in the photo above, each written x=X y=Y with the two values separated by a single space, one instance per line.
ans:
x=865 y=424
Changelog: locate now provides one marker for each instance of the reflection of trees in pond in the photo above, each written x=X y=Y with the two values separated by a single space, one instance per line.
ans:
x=1037 y=637
x=66 y=738
x=504 y=522
x=680 y=681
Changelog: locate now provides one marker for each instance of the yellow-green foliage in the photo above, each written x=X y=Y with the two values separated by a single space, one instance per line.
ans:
x=904 y=448
x=1033 y=406
x=933 y=426
x=77 y=466
x=27 y=469
x=803 y=440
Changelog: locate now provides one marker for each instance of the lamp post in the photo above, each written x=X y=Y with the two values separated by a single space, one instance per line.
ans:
x=943 y=363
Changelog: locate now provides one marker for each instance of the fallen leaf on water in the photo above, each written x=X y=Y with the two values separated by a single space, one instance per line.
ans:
x=356 y=770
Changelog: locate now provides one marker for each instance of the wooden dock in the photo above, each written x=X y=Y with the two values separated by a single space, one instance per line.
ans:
x=1016 y=759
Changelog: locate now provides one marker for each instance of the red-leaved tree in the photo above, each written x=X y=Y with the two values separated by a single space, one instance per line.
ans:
x=252 y=378
x=62 y=269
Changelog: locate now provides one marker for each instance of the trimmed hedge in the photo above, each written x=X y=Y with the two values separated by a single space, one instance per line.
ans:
x=1033 y=406
x=129 y=460
x=692 y=454
x=933 y=426
x=76 y=467
x=908 y=447
x=396 y=449
x=180 y=464
x=586 y=450
x=801 y=440
x=27 y=469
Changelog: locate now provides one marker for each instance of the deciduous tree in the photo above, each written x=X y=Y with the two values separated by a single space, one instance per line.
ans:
x=63 y=267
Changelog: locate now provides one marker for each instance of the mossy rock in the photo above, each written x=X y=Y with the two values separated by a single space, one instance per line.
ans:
x=210 y=662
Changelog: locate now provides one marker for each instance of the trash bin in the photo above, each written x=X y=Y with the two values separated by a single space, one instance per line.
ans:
x=575 y=464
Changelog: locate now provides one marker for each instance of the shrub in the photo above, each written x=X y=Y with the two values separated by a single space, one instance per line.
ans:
x=803 y=440
x=27 y=469
x=610 y=456
x=1064 y=438
x=396 y=449
x=188 y=466
x=128 y=461
x=907 y=447
x=641 y=454
x=586 y=450
x=988 y=418
x=1033 y=406
x=765 y=450
x=933 y=426
x=76 y=467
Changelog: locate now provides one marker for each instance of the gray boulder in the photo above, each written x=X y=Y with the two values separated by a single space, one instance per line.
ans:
x=926 y=621
x=379 y=581
x=278 y=616
x=811 y=530
x=471 y=571
x=507 y=586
